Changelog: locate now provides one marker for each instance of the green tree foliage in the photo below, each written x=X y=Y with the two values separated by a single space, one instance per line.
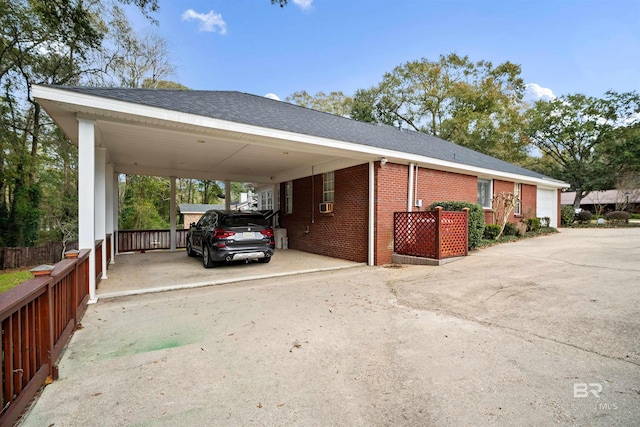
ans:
x=335 y=103
x=474 y=104
x=42 y=42
x=588 y=142
x=620 y=148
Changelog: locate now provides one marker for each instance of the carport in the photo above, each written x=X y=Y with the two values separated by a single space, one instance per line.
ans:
x=165 y=133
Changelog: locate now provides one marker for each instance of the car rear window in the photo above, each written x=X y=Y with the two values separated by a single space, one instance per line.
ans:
x=244 y=221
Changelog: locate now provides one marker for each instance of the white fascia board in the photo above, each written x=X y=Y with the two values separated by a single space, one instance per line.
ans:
x=161 y=114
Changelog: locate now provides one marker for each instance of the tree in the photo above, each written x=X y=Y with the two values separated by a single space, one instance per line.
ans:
x=620 y=147
x=335 y=102
x=502 y=204
x=472 y=104
x=590 y=141
x=41 y=42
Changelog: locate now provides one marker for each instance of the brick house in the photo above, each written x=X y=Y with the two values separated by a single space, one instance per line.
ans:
x=298 y=158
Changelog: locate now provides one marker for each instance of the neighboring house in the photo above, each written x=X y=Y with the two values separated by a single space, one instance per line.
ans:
x=605 y=200
x=337 y=182
x=192 y=212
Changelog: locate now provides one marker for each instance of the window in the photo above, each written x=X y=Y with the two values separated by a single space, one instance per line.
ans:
x=288 y=197
x=328 y=183
x=517 y=191
x=266 y=199
x=484 y=193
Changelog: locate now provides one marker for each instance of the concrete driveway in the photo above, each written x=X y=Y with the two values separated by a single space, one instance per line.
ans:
x=539 y=332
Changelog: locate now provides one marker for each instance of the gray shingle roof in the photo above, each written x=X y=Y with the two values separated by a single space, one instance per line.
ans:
x=260 y=111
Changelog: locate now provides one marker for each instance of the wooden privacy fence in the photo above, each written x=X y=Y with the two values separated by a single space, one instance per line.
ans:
x=146 y=240
x=48 y=253
x=38 y=318
x=435 y=234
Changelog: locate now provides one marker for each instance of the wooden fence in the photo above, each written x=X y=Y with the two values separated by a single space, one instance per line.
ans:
x=435 y=234
x=48 y=253
x=146 y=240
x=38 y=318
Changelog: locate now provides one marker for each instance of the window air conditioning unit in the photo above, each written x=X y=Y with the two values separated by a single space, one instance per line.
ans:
x=326 y=207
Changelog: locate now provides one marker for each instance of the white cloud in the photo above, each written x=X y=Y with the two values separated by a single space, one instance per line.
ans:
x=209 y=22
x=534 y=92
x=272 y=96
x=303 y=4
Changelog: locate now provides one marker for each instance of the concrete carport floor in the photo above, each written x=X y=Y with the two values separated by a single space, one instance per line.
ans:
x=544 y=331
x=154 y=271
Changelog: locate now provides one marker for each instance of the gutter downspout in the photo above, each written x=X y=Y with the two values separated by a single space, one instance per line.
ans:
x=372 y=199
x=410 y=192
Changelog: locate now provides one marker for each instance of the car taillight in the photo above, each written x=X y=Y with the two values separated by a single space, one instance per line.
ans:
x=219 y=233
x=267 y=233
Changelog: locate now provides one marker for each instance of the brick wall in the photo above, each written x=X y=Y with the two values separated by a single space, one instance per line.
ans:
x=342 y=234
x=528 y=198
x=436 y=186
x=390 y=196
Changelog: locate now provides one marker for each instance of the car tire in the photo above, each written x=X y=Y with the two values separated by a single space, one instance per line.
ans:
x=206 y=257
x=264 y=260
x=190 y=251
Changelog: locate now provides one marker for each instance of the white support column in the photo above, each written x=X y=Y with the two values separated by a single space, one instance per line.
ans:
x=172 y=213
x=101 y=204
x=227 y=195
x=116 y=211
x=86 y=197
x=372 y=199
x=109 y=181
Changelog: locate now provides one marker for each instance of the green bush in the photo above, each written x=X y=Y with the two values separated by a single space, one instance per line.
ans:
x=618 y=216
x=476 y=218
x=584 y=217
x=567 y=215
x=491 y=231
x=533 y=224
x=635 y=216
x=510 y=229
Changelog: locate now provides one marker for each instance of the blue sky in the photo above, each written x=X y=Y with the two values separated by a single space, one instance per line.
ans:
x=567 y=46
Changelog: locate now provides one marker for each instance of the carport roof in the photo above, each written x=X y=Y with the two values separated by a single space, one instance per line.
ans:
x=252 y=110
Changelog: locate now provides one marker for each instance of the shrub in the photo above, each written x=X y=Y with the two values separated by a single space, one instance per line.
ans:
x=533 y=224
x=618 y=216
x=476 y=218
x=635 y=216
x=491 y=231
x=510 y=229
x=567 y=215
x=584 y=217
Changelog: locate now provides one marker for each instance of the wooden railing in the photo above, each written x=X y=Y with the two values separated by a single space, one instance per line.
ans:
x=435 y=234
x=38 y=318
x=146 y=240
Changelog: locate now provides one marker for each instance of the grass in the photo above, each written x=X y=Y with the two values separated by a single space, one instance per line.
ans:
x=14 y=278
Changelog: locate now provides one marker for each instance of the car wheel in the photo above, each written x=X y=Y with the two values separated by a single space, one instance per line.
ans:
x=264 y=260
x=190 y=251
x=206 y=258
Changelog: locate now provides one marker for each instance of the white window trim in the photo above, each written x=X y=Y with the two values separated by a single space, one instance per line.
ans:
x=328 y=187
x=490 y=181
x=266 y=199
x=288 y=197
x=517 y=191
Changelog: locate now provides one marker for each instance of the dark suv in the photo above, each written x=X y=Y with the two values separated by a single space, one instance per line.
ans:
x=231 y=236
